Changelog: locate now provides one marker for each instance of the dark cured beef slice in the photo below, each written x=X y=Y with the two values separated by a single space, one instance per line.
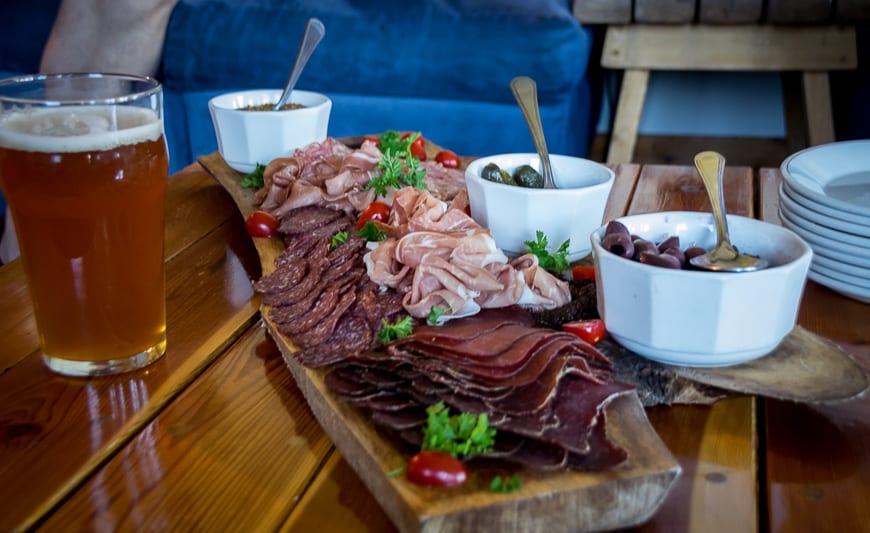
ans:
x=303 y=288
x=322 y=307
x=348 y=250
x=344 y=381
x=282 y=279
x=583 y=306
x=539 y=456
x=284 y=312
x=322 y=330
x=459 y=331
x=603 y=454
x=306 y=219
x=352 y=334
x=408 y=418
x=495 y=347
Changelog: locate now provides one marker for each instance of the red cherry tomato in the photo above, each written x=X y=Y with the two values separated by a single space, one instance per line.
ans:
x=583 y=272
x=436 y=469
x=448 y=158
x=372 y=138
x=374 y=211
x=591 y=331
x=262 y=224
x=417 y=148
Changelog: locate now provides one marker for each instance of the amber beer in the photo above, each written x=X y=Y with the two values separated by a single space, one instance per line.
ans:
x=87 y=204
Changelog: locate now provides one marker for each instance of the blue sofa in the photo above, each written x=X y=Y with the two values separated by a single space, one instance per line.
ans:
x=441 y=67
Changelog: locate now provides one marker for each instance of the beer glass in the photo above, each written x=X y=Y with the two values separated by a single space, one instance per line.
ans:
x=83 y=167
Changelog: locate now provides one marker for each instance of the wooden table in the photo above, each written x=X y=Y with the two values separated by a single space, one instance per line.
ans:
x=216 y=436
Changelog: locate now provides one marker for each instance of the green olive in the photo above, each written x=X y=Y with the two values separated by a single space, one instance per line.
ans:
x=526 y=176
x=492 y=172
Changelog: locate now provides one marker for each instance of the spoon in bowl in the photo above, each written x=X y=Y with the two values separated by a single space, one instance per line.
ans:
x=526 y=92
x=314 y=32
x=724 y=257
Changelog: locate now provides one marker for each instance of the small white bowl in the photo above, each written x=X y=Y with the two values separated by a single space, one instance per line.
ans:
x=514 y=214
x=698 y=318
x=246 y=138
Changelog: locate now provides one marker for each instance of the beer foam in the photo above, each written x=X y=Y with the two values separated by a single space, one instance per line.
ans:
x=79 y=129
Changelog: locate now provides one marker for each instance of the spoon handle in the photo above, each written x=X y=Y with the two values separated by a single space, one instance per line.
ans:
x=314 y=32
x=711 y=167
x=526 y=92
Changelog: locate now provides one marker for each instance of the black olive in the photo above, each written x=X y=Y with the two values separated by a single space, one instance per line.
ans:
x=526 y=176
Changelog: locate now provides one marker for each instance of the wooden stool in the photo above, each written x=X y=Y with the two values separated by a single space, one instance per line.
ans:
x=640 y=48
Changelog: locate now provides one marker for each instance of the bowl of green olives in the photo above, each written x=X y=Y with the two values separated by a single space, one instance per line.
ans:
x=506 y=195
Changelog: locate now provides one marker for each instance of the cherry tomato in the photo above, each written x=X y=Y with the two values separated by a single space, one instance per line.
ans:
x=591 y=331
x=372 y=138
x=374 y=211
x=417 y=148
x=448 y=158
x=583 y=272
x=436 y=469
x=262 y=224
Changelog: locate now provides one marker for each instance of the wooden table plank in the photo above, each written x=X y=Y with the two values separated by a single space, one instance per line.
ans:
x=818 y=470
x=233 y=453
x=55 y=430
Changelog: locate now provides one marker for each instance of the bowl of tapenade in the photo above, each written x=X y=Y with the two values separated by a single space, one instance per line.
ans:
x=250 y=131
x=506 y=195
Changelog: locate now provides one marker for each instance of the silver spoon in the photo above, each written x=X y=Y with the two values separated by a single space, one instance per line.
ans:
x=724 y=257
x=526 y=92
x=314 y=32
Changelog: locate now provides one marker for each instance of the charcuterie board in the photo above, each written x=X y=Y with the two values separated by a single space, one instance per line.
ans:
x=565 y=500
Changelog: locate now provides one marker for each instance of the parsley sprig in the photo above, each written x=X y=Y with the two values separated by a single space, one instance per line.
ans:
x=556 y=261
x=370 y=232
x=463 y=434
x=510 y=484
x=254 y=179
x=397 y=330
x=435 y=313
x=397 y=168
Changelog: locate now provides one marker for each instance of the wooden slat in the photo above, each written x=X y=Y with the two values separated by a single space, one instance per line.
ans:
x=602 y=11
x=229 y=454
x=799 y=11
x=664 y=11
x=17 y=323
x=628 y=114
x=57 y=430
x=338 y=501
x=817 y=474
x=850 y=11
x=730 y=11
x=817 y=102
x=743 y=47
x=670 y=188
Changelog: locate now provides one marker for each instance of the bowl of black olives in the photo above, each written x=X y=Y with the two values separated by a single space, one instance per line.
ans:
x=506 y=195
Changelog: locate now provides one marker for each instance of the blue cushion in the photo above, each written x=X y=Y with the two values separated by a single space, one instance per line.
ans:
x=441 y=49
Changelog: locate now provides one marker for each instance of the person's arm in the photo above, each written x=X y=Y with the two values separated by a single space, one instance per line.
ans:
x=123 y=36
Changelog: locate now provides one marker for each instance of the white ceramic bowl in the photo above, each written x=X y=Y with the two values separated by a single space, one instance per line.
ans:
x=246 y=138
x=699 y=318
x=514 y=214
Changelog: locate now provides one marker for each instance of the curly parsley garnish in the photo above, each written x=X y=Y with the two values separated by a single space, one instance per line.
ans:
x=435 y=313
x=506 y=485
x=390 y=332
x=464 y=434
x=397 y=168
x=554 y=262
x=370 y=232
x=254 y=180
x=337 y=239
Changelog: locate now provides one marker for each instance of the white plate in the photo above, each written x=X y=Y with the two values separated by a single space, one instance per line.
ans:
x=814 y=206
x=835 y=174
x=846 y=289
x=820 y=244
x=845 y=239
x=794 y=208
x=822 y=260
x=839 y=276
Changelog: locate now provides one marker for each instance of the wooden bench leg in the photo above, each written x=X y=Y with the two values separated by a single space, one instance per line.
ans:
x=817 y=102
x=628 y=113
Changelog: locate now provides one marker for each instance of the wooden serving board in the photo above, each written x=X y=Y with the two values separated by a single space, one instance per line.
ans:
x=568 y=500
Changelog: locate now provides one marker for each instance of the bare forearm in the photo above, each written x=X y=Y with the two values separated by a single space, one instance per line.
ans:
x=107 y=36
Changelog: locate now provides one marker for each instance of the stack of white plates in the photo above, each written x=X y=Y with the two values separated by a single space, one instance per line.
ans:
x=825 y=198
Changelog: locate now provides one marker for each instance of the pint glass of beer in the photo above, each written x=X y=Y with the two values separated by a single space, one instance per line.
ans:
x=83 y=167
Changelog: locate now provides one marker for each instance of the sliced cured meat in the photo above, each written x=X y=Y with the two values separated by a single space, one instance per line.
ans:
x=352 y=334
x=322 y=328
